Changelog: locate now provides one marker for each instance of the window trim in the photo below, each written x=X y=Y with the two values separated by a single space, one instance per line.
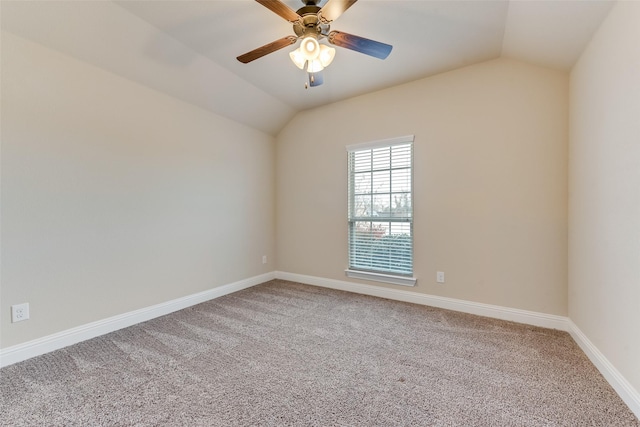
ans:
x=381 y=143
x=396 y=279
x=381 y=277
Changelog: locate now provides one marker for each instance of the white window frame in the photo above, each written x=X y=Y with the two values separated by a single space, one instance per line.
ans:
x=380 y=276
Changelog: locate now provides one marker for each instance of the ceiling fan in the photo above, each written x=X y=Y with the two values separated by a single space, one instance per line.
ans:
x=311 y=24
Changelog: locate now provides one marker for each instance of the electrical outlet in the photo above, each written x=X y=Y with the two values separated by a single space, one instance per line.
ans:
x=264 y=259
x=19 y=312
x=440 y=276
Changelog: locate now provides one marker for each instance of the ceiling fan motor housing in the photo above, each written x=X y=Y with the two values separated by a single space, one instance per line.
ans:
x=309 y=24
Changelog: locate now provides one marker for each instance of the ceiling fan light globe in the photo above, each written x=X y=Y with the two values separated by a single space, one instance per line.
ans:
x=310 y=48
x=298 y=58
x=326 y=55
x=315 y=66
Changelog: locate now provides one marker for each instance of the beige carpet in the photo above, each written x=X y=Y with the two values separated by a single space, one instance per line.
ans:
x=283 y=353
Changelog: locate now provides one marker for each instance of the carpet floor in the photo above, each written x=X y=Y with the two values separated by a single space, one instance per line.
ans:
x=287 y=354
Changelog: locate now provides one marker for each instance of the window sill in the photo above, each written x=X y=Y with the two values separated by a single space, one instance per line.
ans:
x=379 y=277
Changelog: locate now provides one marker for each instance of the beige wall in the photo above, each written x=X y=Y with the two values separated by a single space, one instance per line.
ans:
x=116 y=197
x=604 y=183
x=490 y=182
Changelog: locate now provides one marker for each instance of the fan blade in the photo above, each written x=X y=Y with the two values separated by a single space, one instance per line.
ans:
x=281 y=9
x=360 y=44
x=316 y=79
x=266 y=49
x=333 y=9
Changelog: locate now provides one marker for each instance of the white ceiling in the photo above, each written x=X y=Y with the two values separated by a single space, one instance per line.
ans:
x=187 y=48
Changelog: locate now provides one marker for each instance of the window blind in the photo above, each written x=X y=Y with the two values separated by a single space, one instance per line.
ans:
x=381 y=206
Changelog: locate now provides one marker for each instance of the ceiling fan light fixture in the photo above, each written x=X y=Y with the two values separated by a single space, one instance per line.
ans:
x=326 y=55
x=298 y=58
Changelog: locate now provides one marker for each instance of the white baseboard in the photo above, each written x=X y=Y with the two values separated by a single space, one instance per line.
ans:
x=20 y=352
x=625 y=390
x=494 y=311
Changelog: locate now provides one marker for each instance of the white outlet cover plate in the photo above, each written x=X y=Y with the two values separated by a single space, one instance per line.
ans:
x=19 y=312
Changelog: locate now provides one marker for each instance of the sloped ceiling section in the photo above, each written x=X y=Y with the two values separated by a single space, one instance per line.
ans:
x=551 y=33
x=106 y=35
x=188 y=48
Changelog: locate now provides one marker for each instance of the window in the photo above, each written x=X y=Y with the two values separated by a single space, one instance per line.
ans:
x=381 y=211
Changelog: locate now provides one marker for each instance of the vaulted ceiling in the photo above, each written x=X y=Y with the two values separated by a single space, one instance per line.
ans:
x=188 y=48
